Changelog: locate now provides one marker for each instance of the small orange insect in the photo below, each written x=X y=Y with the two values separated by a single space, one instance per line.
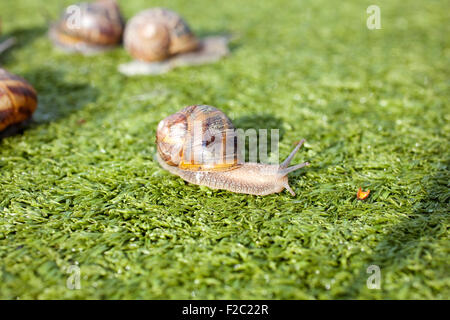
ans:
x=361 y=195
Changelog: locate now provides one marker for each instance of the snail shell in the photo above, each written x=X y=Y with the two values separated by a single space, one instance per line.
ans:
x=188 y=143
x=155 y=34
x=18 y=99
x=92 y=25
x=188 y=139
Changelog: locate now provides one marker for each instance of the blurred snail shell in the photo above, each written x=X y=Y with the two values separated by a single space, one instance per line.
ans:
x=18 y=99
x=87 y=27
x=186 y=143
x=156 y=34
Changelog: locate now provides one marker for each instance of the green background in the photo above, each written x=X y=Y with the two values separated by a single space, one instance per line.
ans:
x=81 y=187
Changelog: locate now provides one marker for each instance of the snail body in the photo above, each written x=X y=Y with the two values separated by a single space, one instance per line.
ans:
x=190 y=155
x=18 y=99
x=156 y=34
x=89 y=27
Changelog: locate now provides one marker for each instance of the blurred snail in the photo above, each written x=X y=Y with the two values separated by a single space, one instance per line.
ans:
x=89 y=27
x=187 y=141
x=155 y=34
x=18 y=99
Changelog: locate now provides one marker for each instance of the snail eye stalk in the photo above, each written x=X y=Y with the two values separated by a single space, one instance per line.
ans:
x=284 y=169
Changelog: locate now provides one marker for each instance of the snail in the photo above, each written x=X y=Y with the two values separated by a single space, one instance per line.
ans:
x=160 y=40
x=18 y=99
x=155 y=34
x=185 y=142
x=89 y=27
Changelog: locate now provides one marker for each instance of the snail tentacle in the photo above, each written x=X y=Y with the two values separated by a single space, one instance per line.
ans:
x=292 y=155
x=293 y=168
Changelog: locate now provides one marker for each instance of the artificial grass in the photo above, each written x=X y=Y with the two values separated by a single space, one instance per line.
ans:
x=81 y=185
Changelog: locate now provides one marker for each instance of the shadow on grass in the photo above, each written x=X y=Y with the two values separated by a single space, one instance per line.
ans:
x=260 y=122
x=233 y=44
x=24 y=38
x=410 y=238
x=57 y=98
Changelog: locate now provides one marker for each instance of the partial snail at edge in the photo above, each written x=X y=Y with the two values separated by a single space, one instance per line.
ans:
x=18 y=99
x=177 y=143
x=89 y=27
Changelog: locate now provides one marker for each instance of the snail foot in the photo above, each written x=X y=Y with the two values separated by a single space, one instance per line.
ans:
x=211 y=49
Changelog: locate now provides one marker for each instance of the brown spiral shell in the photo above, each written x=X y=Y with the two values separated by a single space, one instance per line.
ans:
x=18 y=99
x=100 y=24
x=155 y=34
x=190 y=139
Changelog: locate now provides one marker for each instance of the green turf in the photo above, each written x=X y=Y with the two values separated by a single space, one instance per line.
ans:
x=81 y=186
